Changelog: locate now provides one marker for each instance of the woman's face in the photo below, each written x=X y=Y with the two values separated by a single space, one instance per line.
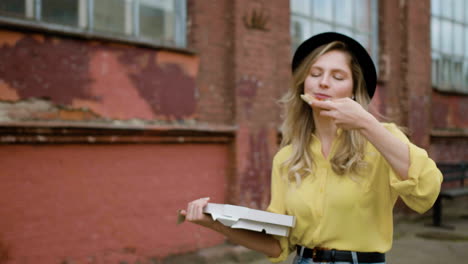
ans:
x=330 y=77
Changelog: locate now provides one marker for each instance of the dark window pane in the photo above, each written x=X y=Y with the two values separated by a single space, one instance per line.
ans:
x=157 y=20
x=14 y=8
x=152 y=22
x=465 y=76
x=457 y=72
x=64 y=12
x=109 y=15
x=435 y=67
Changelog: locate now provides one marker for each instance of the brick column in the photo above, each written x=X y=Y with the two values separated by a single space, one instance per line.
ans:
x=261 y=55
x=405 y=66
x=418 y=77
x=391 y=75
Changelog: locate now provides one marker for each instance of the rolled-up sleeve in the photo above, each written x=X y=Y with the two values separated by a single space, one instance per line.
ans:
x=422 y=187
x=277 y=205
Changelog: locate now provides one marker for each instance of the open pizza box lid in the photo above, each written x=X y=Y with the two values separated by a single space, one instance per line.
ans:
x=250 y=219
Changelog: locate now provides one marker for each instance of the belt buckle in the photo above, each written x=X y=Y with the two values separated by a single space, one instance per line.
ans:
x=314 y=254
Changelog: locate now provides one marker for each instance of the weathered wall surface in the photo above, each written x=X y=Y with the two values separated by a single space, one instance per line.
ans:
x=93 y=80
x=449 y=111
x=110 y=203
x=261 y=75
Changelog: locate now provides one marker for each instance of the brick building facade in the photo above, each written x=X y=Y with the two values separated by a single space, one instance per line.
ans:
x=103 y=140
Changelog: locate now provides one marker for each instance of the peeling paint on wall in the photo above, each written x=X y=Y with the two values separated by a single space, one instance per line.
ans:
x=51 y=68
x=247 y=90
x=37 y=109
x=255 y=178
x=170 y=91
x=7 y=93
x=114 y=94
x=113 y=81
x=449 y=111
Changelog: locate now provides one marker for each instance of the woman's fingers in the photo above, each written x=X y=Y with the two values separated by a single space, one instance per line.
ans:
x=194 y=213
x=189 y=212
x=198 y=211
x=201 y=204
x=195 y=209
x=328 y=113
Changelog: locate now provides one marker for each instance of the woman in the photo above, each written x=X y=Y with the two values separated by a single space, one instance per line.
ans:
x=339 y=171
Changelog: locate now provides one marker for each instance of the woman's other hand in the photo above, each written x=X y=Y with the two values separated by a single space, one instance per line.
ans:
x=194 y=213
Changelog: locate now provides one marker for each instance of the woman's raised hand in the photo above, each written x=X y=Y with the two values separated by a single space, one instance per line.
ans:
x=194 y=213
x=346 y=113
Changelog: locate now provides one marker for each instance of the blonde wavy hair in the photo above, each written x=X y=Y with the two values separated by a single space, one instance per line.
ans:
x=298 y=124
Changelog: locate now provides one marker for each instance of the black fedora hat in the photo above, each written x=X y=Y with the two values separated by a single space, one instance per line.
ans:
x=359 y=52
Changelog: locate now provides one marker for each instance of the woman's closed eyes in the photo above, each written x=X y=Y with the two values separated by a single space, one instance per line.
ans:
x=336 y=75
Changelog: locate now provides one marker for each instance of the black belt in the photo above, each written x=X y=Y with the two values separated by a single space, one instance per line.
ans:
x=332 y=255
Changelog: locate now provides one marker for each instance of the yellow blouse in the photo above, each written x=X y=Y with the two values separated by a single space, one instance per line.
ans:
x=350 y=212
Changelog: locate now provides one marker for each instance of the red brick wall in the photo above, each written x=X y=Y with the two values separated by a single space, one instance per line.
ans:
x=449 y=111
x=418 y=75
x=261 y=75
x=110 y=203
x=244 y=69
x=391 y=72
x=211 y=37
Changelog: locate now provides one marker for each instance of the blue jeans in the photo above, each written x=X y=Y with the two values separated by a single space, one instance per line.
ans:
x=300 y=260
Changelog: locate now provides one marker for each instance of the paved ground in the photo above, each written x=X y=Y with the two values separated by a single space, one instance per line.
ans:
x=414 y=242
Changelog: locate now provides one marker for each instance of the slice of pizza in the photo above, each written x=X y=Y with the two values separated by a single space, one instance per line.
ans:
x=307 y=98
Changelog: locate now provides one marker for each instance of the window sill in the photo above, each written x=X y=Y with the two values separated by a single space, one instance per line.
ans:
x=89 y=133
x=449 y=132
x=451 y=92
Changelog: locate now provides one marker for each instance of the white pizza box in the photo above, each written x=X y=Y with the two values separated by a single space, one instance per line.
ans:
x=251 y=219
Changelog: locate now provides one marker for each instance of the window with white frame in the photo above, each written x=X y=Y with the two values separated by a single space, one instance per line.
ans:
x=161 y=22
x=449 y=39
x=355 y=18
